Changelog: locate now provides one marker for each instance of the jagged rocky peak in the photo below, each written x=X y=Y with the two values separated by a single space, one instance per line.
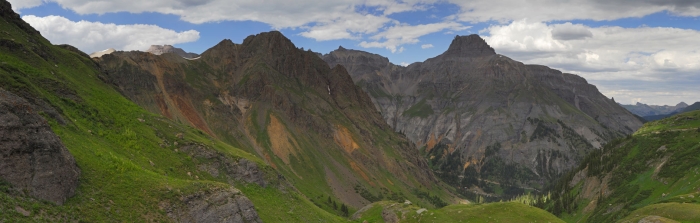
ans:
x=161 y=49
x=469 y=46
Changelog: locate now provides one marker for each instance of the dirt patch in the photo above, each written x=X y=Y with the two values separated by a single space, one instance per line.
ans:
x=433 y=141
x=357 y=169
x=659 y=165
x=590 y=207
x=344 y=139
x=162 y=106
x=191 y=114
x=282 y=144
x=343 y=190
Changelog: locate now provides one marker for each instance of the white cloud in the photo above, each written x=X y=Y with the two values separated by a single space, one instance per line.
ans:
x=666 y=61
x=426 y=46
x=319 y=20
x=23 y=4
x=401 y=34
x=94 y=36
x=404 y=64
x=556 y=10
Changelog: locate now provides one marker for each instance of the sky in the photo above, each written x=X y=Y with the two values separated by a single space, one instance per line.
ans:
x=644 y=51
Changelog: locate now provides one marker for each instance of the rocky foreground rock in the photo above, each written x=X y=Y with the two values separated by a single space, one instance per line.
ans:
x=479 y=115
x=32 y=157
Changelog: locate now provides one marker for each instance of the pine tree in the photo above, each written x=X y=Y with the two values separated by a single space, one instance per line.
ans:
x=344 y=209
x=329 y=199
x=335 y=206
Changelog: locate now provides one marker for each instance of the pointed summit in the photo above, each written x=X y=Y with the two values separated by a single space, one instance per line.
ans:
x=469 y=46
x=269 y=40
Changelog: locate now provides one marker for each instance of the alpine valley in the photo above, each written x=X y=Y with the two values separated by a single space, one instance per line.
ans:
x=263 y=131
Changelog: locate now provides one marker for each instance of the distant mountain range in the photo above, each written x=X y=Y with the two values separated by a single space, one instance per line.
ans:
x=656 y=112
x=643 y=110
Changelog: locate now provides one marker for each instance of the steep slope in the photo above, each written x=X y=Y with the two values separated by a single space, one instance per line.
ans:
x=653 y=174
x=134 y=166
x=651 y=110
x=484 y=119
x=305 y=119
x=161 y=49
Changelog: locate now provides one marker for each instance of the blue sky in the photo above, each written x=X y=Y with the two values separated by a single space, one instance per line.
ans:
x=645 y=50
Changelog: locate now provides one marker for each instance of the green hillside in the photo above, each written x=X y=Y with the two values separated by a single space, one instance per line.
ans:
x=490 y=212
x=135 y=164
x=653 y=173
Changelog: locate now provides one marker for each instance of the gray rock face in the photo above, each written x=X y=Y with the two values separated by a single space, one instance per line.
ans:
x=216 y=205
x=474 y=111
x=241 y=170
x=158 y=50
x=32 y=157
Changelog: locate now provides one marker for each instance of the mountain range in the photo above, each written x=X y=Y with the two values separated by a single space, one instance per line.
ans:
x=488 y=123
x=263 y=131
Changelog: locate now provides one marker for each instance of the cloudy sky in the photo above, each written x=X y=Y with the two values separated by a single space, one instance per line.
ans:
x=634 y=50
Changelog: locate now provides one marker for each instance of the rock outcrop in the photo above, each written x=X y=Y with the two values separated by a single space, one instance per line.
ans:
x=227 y=205
x=476 y=113
x=161 y=49
x=32 y=157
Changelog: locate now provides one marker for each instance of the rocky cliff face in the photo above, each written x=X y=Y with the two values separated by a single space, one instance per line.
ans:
x=306 y=119
x=32 y=157
x=485 y=119
x=161 y=49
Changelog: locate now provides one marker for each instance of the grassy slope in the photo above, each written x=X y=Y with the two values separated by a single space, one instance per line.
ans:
x=491 y=212
x=115 y=150
x=641 y=182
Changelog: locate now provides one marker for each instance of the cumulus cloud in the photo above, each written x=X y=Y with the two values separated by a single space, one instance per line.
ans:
x=94 y=36
x=426 y=46
x=401 y=34
x=551 y=10
x=665 y=61
x=568 y=31
x=23 y=4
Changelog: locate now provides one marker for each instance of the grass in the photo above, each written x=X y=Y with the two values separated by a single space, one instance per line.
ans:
x=421 y=109
x=490 y=212
x=130 y=159
x=656 y=171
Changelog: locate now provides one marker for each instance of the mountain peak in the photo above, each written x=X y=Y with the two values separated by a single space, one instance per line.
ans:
x=269 y=39
x=102 y=52
x=161 y=49
x=682 y=104
x=469 y=46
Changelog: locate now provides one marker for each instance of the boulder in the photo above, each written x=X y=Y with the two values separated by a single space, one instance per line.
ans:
x=32 y=157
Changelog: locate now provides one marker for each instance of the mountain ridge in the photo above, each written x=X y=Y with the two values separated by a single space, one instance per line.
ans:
x=259 y=92
x=469 y=102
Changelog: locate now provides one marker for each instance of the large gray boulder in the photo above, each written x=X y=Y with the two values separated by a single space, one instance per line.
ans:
x=215 y=205
x=32 y=157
